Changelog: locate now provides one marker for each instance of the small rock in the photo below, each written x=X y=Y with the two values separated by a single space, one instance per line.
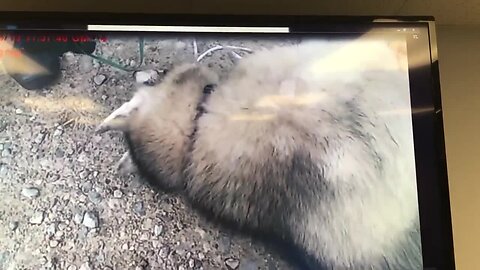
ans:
x=94 y=197
x=86 y=187
x=30 y=192
x=164 y=251
x=78 y=218
x=13 y=225
x=59 y=153
x=6 y=152
x=100 y=257
x=39 y=139
x=158 y=229
x=82 y=233
x=84 y=174
x=18 y=111
x=3 y=170
x=53 y=243
x=99 y=79
x=144 y=237
x=51 y=229
x=133 y=63
x=72 y=267
x=191 y=263
x=146 y=76
x=201 y=256
x=90 y=220
x=232 y=263
x=117 y=194
x=58 y=131
x=58 y=235
x=86 y=266
x=95 y=174
x=85 y=63
x=181 y=252
x=143 y=264
x=139 y=208
x=37 y=217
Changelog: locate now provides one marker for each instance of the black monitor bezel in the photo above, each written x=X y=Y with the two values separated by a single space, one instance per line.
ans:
x=438 y=255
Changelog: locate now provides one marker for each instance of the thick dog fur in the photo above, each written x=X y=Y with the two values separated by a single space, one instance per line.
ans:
x=309 y=143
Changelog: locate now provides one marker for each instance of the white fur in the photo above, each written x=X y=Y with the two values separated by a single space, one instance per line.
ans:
x=285 y=94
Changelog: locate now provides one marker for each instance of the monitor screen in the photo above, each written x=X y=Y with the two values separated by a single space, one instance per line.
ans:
x=275 y=144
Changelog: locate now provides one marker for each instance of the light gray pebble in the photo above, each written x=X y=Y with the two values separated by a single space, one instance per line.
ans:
x=117 y=194
x=3 y=169
x=58 y=131
x=232 y=263
x=37 y=217
x=58 y=235
x=6 y=152
x=18 y=111
x=13 y=225
x=146 y=76
x=95 y=174
x=191 y=263
x=78 y=218
x=158 y=229
x=86 y=187
x=86 y=266
x=90 y=220
x=72 y=267
x=82 y=233
x=84 y=174
x=94 y=197
x=31 y=192
x=99 y=79
x=164 y=251
x=53 y=243
x=139 y=208
x=59 y=153
x=51 y=229
x=201 y=256
x=39 y=139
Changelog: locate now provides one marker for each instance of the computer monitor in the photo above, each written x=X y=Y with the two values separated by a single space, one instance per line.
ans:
x=137 y=141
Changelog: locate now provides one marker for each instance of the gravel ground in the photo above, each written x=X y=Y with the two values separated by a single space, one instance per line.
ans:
x=65 y=206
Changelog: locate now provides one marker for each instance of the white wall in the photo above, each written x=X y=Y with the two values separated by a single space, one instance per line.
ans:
x=459 y=58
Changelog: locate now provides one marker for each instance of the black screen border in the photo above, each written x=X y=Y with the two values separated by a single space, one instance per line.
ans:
x=434 y=201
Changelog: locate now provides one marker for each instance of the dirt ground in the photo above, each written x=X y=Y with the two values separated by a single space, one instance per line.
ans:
x=64 y=205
